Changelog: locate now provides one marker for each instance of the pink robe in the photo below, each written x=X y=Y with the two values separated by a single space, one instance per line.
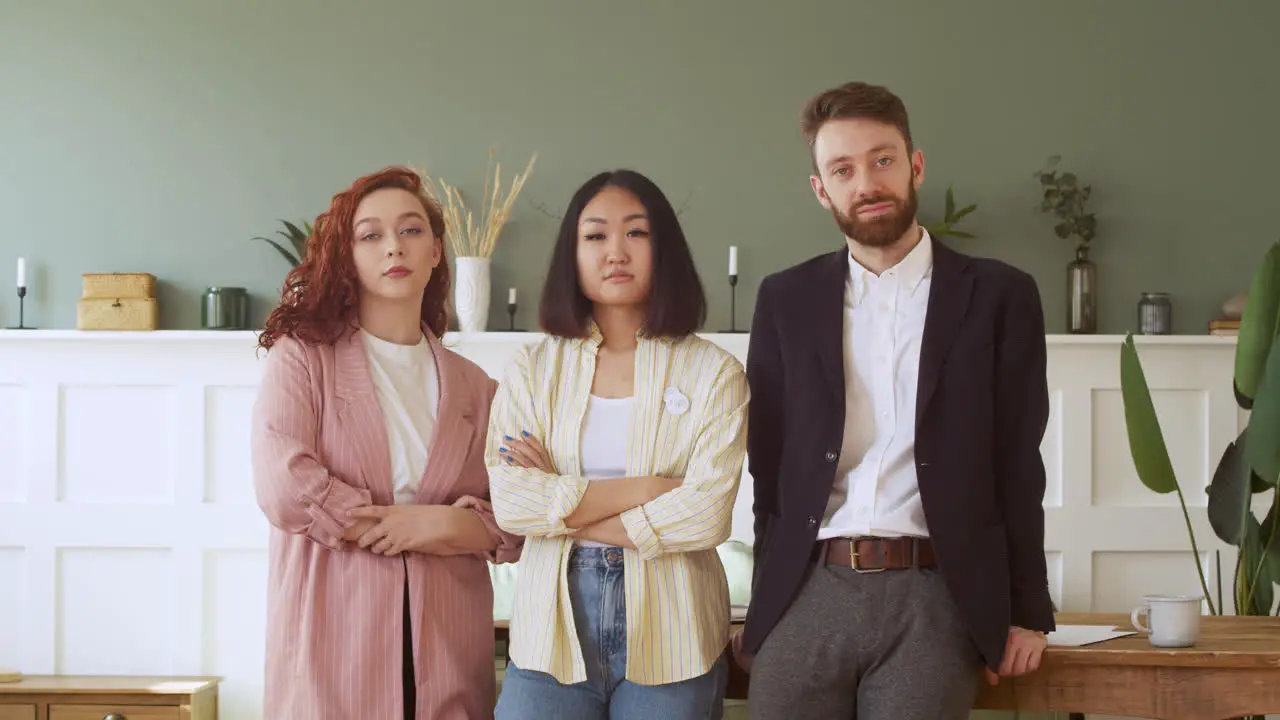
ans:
x=334 y=610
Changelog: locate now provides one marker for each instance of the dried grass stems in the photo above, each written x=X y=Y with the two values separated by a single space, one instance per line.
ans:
x=468 y=236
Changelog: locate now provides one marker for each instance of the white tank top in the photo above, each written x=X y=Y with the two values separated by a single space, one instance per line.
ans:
x=603 y=445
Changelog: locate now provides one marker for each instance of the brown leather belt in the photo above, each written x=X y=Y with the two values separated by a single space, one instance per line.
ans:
x=874 y=554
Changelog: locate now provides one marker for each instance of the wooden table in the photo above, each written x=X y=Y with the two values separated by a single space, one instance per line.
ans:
x=71 y=697
x=1233 y=671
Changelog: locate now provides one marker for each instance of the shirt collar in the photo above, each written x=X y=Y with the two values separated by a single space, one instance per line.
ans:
x=594 y=338
x=911 y=270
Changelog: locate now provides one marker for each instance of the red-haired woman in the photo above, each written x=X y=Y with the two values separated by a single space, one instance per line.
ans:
x=368 y=461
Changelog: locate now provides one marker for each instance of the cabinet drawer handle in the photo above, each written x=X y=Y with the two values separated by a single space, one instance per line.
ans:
x=114 y=716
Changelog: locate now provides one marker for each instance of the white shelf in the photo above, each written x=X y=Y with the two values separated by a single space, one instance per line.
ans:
x=233 y=337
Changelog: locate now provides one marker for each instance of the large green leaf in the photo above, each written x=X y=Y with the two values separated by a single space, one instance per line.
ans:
x=1229 y=494
x=1256 y=582
x=1146 y=441
x=297 y=237
x=1262 y=451
x=963 y=211
x=294 y=230
x=1267 y=535
x=280 y=249
x=1257 y=327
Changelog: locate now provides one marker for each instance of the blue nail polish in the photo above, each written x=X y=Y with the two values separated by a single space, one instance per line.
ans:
x=502 y=450
x=509 y=460
x=508 y=438
x=524 y=433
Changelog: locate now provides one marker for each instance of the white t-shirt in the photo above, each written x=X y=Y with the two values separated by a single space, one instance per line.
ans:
x=408 y=386
x=605 y=431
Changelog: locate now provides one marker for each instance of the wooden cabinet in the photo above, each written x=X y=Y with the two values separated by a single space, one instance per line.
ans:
x=25 y=711
x=70 y=697
x=114 y=712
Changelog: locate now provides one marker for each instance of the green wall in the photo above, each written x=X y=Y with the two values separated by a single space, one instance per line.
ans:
x=160 y=136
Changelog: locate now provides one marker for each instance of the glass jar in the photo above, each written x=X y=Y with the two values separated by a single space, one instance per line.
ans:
x=1155 y=314
x=225 y=308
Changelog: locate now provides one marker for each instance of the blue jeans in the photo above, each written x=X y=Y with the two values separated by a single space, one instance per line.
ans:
x=597 y=595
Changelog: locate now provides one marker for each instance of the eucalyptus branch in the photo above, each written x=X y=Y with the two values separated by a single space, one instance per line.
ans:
x=1064 y=196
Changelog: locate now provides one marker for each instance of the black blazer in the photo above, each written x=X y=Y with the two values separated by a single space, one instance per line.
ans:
x=981 y=412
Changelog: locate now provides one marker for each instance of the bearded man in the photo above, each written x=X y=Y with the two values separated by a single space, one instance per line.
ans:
x=899 y=398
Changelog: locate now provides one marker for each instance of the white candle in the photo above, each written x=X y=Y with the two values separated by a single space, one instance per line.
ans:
x=22 y=272
x=511 y=296
x=733 y=259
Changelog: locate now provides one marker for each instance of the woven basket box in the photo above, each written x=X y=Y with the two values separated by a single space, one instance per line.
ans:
x=118 y=314
x=118 y=285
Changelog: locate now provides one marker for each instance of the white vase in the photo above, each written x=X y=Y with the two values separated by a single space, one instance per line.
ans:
x=471 y=293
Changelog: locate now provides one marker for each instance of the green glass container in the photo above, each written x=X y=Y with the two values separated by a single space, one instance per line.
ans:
x=225 y=308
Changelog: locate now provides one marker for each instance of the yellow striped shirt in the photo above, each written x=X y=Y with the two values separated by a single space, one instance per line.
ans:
x=689 y=420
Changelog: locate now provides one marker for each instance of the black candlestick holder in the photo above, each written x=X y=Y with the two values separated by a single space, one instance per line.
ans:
x=511 y=313
x=22 y=303
x=733 y=305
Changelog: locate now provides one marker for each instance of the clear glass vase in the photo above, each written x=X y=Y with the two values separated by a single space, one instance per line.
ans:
x=1082 y=294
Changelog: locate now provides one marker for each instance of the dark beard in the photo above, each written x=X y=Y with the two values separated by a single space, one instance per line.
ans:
x=881 y=231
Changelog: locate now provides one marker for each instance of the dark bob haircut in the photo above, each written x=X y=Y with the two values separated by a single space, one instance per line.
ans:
x=677 y=305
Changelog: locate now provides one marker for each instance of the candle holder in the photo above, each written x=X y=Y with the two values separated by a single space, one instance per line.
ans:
x=733 y=302
x=511 y=313
x=22 y=302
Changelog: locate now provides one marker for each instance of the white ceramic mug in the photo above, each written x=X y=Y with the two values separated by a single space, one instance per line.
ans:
x=1172 y=620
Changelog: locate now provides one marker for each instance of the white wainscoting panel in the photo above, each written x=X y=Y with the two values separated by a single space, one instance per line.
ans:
x=131 y=542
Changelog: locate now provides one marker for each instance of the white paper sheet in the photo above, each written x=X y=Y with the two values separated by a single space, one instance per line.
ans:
x=1078 y=635
x=737 y=613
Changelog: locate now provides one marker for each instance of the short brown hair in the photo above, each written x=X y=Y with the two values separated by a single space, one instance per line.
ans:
x=854 y=100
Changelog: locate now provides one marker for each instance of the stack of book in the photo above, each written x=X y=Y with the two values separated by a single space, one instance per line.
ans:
x=1224 y=326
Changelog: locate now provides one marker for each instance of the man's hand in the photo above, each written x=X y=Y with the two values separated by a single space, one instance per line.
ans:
x=402 y=528
x=1021 y=654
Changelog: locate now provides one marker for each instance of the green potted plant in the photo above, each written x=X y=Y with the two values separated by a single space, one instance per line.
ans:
x=1065 y=197
x=1249 y=467
x=294 y=248
x=950 y=217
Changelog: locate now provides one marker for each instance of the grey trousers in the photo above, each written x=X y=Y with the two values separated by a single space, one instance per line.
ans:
x=876 y=646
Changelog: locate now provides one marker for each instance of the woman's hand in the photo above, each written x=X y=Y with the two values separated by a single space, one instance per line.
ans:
x=360 y=527
x=527 y=452
x=467 y=501
x=602 y=499
x=405 y=528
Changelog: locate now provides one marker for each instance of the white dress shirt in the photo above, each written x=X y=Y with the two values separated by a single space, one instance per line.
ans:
x=875 y=490
x=407 y=382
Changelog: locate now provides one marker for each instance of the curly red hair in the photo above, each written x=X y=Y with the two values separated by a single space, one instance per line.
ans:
x=320 y=296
